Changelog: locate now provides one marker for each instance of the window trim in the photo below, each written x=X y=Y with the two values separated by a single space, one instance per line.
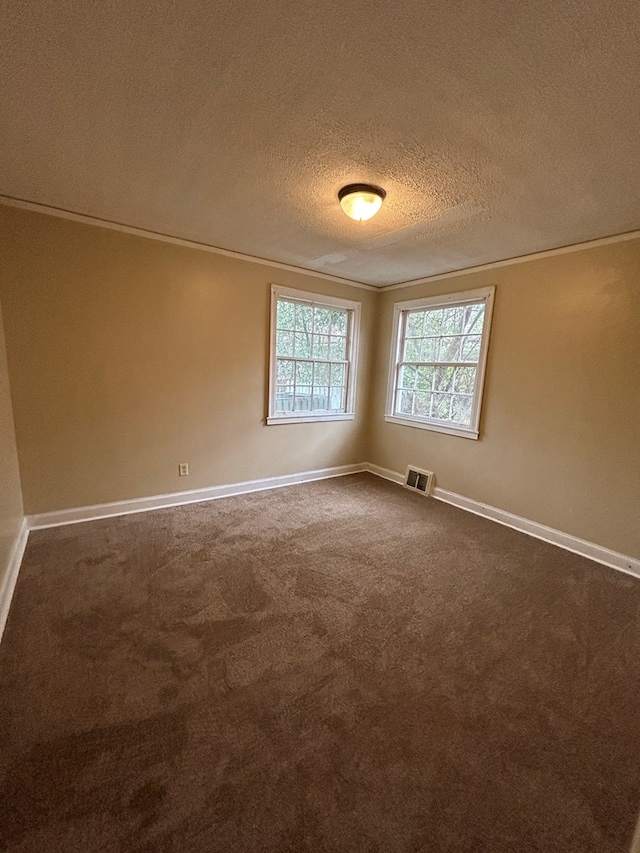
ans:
x=353 y=336
x=484 y=294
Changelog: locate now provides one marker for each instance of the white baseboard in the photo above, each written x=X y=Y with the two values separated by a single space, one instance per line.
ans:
x=598 y=553
x=635 y=844
x=11 y=573
x=126 y=507
x=385 y=473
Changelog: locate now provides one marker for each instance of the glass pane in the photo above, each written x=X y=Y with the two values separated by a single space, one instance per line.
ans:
x=443 y=378
x=464 y=379
x=423 y=403
x=284 y=398
x=322 y=320
x=337 y=349
x=302 y=402
x=338 y=322
x=337 y=374
x=304 y=318
x=284 y=343
x=285 y=372
x=424 y=378
x=433 y=322
x=304 y=373
x=429 y=349
x=320 y=397
x=411 y=350
x=441 y=405
x=321 y=373
x=452 y=319
x=415 y=323
x=449 y=349
x=320 y=346
x=405 y=402
x=471 y=348
x=285 y=315
x=461 y=410
x=302 y=344
x=473 y=319
x=407 y=377
x=336 y=399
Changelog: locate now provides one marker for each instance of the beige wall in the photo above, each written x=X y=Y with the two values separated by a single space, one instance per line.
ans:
x=10 y=494
x=560 y=431
x=129 y=355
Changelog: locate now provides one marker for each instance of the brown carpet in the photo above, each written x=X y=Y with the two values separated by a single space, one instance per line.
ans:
x=336 y=666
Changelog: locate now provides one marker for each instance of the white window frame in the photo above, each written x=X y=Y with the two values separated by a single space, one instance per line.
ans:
x=353 y=333
x=448 y=300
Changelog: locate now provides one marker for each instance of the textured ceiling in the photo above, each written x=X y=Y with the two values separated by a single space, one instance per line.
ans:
x=497 y=128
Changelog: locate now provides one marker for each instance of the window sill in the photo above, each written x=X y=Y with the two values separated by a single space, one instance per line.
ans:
x=308 y=419
x=434 y=427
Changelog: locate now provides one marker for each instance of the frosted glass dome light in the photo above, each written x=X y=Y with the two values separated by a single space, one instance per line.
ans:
x=361 y=201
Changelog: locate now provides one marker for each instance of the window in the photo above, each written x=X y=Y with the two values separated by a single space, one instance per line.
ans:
x=439 y=351
x=313 y=357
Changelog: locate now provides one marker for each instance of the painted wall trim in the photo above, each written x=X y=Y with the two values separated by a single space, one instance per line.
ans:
x=11 y=574
x=521 y=259
x=635 y=844
x=590 y=550
x=127 y=507
x=61 y=213
x=613 y=559
x=385 y=473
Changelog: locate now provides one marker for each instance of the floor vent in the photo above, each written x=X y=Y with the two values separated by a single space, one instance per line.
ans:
x=418 y=480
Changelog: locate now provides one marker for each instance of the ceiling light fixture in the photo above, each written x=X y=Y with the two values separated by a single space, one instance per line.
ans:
x=361 y=201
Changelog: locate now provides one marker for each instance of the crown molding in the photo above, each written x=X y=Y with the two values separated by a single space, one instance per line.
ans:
x=520 y=259
x=62 y=213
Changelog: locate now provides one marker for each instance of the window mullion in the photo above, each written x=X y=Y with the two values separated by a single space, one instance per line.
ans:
x=396 y=388
x=433 y=391
x=312 y=359
x=437 y=363
x=400 y=356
